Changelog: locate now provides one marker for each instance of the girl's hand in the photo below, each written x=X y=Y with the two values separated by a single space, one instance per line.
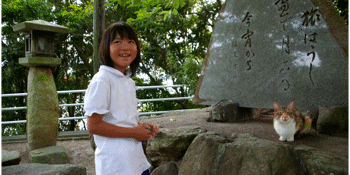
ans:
x=142 y=133
x=153 y=127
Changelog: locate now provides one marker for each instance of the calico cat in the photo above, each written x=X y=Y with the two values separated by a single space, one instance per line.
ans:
x=288 y=121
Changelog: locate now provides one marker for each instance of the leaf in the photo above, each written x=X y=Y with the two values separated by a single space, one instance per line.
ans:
x=176 y=4
x=137 y=2
x=165 y=12
x=175 y=12
x=166 y=16
x=108 y=4
x=182 y=3
x=168 y=4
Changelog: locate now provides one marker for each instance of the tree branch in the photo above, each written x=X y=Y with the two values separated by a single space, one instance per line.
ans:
x=219 y=3
x=153 y=81
x=83 y=56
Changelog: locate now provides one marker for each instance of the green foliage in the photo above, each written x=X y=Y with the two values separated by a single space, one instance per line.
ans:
x=149 y=7
x=14 y=129
x=342 y=7
x=23 y=10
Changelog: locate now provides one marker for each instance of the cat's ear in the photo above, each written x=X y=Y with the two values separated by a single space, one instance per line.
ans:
x=291 y=105
x=276 y=106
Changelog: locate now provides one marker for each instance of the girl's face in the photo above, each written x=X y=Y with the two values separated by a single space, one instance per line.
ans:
x=122 y=52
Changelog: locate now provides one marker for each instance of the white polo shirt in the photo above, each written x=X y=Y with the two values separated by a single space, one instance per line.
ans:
x=113 y=94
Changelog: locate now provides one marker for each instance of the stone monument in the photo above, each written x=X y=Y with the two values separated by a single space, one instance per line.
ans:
x=278 y=50
x=42 y=99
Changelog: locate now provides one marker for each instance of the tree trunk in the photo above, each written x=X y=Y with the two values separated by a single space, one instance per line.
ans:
x=99 y=26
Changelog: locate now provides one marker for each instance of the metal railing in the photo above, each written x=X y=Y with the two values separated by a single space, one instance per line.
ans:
x=81 y=104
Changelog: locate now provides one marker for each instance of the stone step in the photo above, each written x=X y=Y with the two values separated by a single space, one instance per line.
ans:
x=37 y=168
x=64 y=135
x=10 y=157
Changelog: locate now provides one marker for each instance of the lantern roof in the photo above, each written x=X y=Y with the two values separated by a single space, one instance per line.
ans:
x=39 y=25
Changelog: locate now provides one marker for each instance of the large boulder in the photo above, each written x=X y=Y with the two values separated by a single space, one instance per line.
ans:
x=318 y=162
x=41 y=169
x=168 y=169
x=333 y=120
x=50 y=155
x=241 y=155
x=171 y=144
x=10 y=157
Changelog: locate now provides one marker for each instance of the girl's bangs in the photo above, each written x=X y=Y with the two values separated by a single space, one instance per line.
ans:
x=123 y=32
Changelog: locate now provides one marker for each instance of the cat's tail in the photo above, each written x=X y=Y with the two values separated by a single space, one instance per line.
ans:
x=307 y=125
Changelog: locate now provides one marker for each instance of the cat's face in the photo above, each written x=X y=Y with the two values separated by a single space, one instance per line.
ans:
x=284 y=114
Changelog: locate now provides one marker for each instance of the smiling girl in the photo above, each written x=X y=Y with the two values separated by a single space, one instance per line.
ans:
x=111 y=106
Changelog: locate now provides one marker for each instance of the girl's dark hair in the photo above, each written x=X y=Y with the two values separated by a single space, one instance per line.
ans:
x=123 y=30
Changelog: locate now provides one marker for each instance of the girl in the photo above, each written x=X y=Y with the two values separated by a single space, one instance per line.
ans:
x=111 y=106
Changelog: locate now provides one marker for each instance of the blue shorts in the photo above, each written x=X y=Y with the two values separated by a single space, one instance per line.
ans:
x=146 y=172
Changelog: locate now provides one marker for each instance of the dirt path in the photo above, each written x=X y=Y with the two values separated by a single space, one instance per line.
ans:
x=82 y=154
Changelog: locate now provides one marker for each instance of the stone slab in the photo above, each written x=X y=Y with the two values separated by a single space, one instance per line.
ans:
x=39 y=61
x=283 y=51
x=50 y=155
x=10 y=157
x=44 y=169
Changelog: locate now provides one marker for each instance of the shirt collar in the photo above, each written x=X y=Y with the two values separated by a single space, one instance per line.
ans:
x=114 y=71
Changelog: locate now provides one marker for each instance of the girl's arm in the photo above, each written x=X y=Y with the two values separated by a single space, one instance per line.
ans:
x=99 y=127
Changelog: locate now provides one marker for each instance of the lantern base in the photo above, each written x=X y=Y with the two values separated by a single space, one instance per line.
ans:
x=39 y=61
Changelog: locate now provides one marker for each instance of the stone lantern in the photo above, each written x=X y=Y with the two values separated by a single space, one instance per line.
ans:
x=39 y=45
x=42 y=99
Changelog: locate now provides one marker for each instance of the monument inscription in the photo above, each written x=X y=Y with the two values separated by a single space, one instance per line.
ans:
x=277 y=50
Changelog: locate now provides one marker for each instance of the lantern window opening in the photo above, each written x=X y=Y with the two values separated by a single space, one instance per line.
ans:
x=28 y=43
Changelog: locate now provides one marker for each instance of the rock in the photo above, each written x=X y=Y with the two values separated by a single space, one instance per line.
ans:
x=333 y=120
x=50 y=155
x=92 y=142
x=222 y=111
x=10 y=157
x=44 y=169
x=168 y=169
x=243 y=154
x=227 y=111
x=171 y=144
x=317 y=162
